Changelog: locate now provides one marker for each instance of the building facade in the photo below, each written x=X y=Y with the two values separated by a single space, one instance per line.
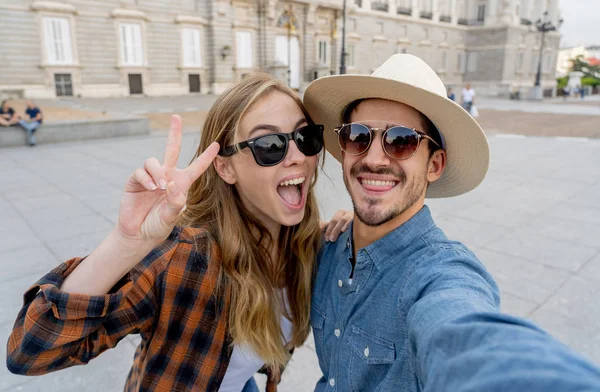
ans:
x=172 y=47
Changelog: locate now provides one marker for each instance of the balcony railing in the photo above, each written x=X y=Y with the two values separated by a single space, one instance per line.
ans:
x=380 y=6
x=445 y=18
x=463 y=21
x=426 y=15
x=404 y=11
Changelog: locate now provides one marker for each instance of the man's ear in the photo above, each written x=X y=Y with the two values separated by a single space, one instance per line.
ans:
x=436 y=165
x=223 y=167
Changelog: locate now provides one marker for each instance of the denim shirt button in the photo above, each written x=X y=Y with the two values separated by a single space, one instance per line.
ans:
x=340 y=283
x=337 y=333
x=332 y=382
x=366 y=352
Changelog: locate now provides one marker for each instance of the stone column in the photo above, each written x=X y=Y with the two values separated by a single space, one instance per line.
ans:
x=491 y=16
x=435 y=9
x=392 y=7
x=366 y=5
x=416 y=9
x=454 y=11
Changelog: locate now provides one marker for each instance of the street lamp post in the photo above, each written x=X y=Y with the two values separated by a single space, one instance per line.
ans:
x=343 y=59
x=543 y=26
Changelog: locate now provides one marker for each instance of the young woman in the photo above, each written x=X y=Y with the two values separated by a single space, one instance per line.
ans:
x=216 y=289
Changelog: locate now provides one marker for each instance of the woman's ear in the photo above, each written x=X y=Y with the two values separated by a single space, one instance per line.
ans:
x=224 y=169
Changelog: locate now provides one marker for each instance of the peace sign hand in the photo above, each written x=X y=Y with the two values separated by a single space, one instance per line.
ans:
x=156 y=193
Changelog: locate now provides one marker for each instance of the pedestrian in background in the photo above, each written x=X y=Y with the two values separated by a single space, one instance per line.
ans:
x=468 y=97
x=451 y=94
x=33 y=123
x=8 y=116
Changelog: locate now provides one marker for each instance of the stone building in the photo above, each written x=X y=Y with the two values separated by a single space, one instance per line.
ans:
x=171 y=47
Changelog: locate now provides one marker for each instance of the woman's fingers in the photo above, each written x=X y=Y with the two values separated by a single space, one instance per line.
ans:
x=156 y=171
x=200 y=164
x=173 y=142
x=142 y=177
x=175 y=203
x=333 y=223
x=338 y=225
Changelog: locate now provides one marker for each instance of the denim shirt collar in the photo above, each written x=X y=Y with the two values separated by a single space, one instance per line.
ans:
x=393 y=244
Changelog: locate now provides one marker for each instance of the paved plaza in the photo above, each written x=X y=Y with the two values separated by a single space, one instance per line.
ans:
x=534 y=222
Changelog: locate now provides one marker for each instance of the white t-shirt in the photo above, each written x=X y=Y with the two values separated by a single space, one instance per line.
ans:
x=245 y=362
x=468 y=95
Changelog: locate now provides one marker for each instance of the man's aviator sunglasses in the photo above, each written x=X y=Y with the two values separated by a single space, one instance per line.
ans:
x=271 y=149
x=398 y=142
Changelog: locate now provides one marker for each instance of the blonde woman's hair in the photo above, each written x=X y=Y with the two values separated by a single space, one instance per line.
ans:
x=253 y=279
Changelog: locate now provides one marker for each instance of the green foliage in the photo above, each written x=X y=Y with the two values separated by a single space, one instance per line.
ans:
x=562 y=82
x=590 y=81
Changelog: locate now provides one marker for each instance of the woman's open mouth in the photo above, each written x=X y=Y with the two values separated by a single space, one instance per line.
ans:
x=291 y=191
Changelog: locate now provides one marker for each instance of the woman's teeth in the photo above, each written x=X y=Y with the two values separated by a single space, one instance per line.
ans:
x=378 y=183
x=295 y=181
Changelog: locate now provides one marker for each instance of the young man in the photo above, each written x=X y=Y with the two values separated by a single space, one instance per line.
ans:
x=35 y=120
x=468 y=97
x=8 y=116
x=397 y=306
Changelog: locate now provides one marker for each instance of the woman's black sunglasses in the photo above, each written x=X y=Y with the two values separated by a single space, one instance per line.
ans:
x=269 y=150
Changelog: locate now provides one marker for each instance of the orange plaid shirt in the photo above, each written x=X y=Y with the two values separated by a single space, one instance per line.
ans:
x=169 y=298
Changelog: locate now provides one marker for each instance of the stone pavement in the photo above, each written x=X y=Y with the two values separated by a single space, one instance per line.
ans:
x=534 y=222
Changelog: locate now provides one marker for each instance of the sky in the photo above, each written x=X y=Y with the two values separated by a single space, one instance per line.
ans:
x=581 y=22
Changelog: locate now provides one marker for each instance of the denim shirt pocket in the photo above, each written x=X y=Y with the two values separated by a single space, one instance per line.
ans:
x=370 y=361
x=317 y=322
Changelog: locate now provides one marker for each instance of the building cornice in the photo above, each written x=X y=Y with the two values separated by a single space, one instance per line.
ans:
x=125 y=13
x=186 y=19
x=52 y=6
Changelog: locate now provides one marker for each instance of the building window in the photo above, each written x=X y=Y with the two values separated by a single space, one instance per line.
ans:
x=135 y=84
x=359 y=3
x=57 y=37
x=323 y=53
x=192 y=56
x=481 y=12
x=380 y=27
x=444 y=60
x=244 y=49
x=194 y=81
x=520 y=61
x=350 y=59
x=132 y=51
x=534 y=63
x=472 y=62
x=426 y=32
x=63 y=85
x=461 y=62
x=380 y=5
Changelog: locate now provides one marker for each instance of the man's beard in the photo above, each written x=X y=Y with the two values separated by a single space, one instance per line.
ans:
x=372 y=217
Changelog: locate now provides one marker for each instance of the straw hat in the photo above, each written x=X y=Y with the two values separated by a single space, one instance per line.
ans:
x=408 y=79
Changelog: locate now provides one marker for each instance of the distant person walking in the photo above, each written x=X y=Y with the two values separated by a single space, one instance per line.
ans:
x=32 y=124
x=451 y=95
x=8 y=116
x=468 y=97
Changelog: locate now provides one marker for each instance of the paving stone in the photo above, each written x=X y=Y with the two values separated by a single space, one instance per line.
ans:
x=542 y=250
x=522 y=278
x=35 y=259
x=591 y=270
x=577 y=300
x=78 y=246
x=584 y=339
x=516 y=306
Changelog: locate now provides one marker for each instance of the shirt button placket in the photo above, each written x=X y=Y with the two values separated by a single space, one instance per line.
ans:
x=332 y=382
x=337 y=333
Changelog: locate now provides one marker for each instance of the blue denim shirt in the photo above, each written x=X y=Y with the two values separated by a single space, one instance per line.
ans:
x=422 y=313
